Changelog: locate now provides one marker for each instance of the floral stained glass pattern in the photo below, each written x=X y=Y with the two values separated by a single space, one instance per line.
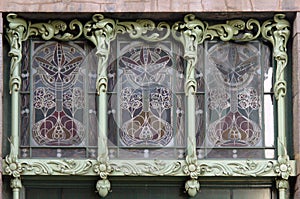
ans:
x=234 y=78
x=56 y=94
x=146 y=92
x=149 y=101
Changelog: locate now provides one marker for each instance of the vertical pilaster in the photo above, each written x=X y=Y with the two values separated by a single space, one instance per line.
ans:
x=190 y=35
x=277 y=32
x=101 y=31
x=15 y=35
x=296 y=97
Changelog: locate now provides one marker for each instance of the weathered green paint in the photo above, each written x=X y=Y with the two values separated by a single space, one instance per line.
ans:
x=277 y=32
x=16 y=185
x=190 y=33
x=101 y=31
x=92 y=167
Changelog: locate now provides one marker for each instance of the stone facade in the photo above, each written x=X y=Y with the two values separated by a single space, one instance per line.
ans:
x=169 y=6
x=148 y=5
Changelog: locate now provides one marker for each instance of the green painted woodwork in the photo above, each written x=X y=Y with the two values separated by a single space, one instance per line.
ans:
x=191 y=32
x=61 y=193
x=148 y=190
x=277 y=32
x=101 y=31
x=90 y=167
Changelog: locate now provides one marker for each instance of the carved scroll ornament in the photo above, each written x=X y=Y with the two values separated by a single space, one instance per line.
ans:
x=191 y=32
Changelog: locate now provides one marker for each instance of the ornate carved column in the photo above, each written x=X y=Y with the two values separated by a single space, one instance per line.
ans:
x=190 y=34
x=101 y=31
x=18 y=31
x=277 y=32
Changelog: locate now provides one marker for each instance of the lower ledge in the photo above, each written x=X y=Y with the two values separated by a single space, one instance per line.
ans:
x=92 y=167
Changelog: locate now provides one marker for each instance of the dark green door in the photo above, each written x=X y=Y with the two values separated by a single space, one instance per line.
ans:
x=61 y=193
x=133 y=189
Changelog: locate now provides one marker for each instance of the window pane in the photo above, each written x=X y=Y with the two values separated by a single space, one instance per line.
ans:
x=234 y=76
x=146 y=102
x=56 y=99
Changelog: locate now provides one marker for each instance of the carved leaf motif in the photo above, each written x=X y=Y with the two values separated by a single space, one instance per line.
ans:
x=71 y=167
x=277 y=33
x=51 y=167
x=248 y=168
x=155 y=168
x=160 y=168
x=38 y=168
x=148 y=168
x=144 y=29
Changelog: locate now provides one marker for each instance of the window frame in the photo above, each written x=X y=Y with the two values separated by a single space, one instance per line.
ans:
x=190 y=33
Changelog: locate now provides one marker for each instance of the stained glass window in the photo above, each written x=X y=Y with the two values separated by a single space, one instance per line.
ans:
x=54 y=95
x=146 y=100
x=146 y=107
x=235 y=88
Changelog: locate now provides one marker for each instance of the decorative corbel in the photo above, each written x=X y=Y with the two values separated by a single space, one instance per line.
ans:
x=15 y=34
x=103 y=169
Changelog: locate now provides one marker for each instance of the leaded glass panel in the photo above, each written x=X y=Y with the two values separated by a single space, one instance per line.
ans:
x=237 y=92
x=146 y=101
x=57 y=100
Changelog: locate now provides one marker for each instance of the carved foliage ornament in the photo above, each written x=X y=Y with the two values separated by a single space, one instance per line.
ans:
x=20 y=30
x=147 y=168
x=191 y=32
x=278 y=33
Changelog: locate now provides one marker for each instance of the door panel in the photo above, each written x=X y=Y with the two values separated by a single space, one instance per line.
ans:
x=38 y=193
x=134 y=190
